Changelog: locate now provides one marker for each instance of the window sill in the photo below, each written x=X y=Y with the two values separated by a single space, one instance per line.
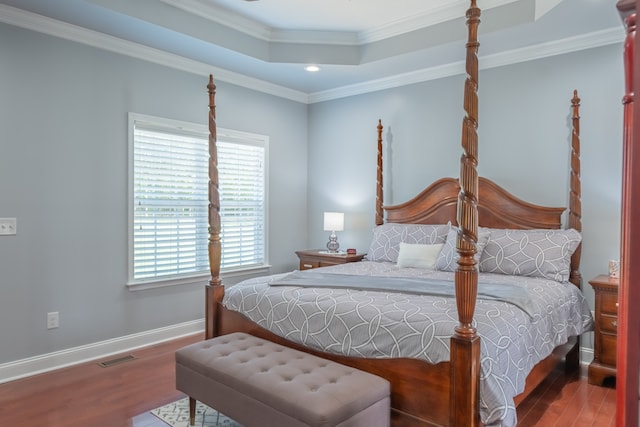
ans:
x=199 y=279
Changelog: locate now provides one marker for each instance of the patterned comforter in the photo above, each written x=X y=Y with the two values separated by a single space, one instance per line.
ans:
x=388 y=325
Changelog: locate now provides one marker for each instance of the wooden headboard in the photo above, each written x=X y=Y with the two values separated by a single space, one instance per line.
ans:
x=497 y=208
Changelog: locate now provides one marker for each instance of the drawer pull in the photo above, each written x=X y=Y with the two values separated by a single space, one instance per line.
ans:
x=617 y=305
x=614 y=324
x=308 y=265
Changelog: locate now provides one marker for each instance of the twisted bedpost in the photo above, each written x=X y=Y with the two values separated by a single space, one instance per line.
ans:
x=572 y=359
x=214 y=290
x=379 y=193
x=575 y=203
x=465 y=343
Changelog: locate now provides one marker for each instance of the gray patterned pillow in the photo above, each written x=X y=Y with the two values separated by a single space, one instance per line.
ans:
x=448 y=258
x=385 y=243
x=538 y=253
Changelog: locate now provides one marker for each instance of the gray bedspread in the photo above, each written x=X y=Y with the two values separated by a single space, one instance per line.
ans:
x=507 y=292
x=382 y=324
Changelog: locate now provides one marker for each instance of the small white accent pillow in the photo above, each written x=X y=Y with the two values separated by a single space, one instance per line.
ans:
x=418 y=255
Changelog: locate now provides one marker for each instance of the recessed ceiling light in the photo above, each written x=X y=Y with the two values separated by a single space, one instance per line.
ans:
x=312 y=68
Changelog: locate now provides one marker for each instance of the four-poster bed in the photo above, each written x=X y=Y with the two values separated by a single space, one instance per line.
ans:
x=460 y=382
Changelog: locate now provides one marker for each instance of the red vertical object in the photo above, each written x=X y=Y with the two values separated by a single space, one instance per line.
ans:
x=628 y=350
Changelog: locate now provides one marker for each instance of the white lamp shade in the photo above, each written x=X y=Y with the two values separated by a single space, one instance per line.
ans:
x=333 y=221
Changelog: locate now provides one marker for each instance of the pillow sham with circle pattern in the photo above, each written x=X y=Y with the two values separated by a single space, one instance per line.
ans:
x=537 y=253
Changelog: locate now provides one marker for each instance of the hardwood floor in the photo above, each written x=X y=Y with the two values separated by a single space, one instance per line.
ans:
x=89 y=395
x=569 y=401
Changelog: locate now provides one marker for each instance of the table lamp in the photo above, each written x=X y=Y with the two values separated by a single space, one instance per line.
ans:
x=333 y=221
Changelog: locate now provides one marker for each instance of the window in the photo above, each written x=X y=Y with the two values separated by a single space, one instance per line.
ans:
x=169 y=227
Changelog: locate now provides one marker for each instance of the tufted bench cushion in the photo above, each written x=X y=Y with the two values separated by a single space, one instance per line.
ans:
x=260 y=383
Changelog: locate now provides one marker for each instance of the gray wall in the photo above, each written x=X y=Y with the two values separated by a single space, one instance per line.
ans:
x=524 y=145
x=63 y=170
x=63 y=175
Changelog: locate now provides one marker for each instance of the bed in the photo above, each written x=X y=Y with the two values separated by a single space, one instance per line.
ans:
x=463 y=352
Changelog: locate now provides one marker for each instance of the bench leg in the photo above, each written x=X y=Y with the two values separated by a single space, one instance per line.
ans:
x=192 y=411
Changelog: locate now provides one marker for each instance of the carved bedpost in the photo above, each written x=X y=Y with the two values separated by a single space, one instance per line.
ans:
x=465 y=343
x=379 y=193
x=628 y=355
x=214 y=290
x=575 y=203
x=572 y=359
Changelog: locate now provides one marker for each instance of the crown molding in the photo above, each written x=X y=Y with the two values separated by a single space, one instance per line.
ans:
x=52 y=27
x=452 y=10
x=403 y=79
x=557 y=47
x=223 y=17
x=530 y=53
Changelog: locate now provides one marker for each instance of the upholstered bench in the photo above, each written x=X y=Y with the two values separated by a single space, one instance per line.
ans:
x=263 y=384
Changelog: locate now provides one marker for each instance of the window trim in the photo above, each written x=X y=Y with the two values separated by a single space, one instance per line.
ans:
x=227 y=135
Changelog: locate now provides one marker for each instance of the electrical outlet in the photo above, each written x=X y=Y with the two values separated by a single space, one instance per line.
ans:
x=53 y=320
x=8 y=226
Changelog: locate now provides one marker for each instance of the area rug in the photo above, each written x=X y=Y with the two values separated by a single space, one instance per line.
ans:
x=176 y=414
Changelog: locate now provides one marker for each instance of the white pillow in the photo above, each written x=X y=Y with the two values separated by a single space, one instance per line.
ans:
x=418 y=255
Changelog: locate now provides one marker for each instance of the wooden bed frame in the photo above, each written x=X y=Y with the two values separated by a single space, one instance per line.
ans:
x=424 y=394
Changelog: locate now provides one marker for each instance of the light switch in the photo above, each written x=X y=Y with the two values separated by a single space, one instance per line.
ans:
x=8 y=227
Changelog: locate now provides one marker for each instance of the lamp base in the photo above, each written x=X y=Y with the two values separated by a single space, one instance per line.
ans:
x=333 y=244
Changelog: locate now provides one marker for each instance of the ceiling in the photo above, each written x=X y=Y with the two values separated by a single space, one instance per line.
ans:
x=359 y=45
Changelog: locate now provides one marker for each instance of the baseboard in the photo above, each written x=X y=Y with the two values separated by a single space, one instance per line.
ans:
x=73 y=356
x=586 y=356
x=47 y=362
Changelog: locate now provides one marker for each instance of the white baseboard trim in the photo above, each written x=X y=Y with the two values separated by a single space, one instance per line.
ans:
x=586 y=356
x=47 y=362
x=60 y=359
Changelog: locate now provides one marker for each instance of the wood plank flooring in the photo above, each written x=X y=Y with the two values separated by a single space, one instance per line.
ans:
x=563 y=400
x=121 y=395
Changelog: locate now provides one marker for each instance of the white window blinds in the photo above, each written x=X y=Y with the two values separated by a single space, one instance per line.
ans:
x=169 y=214
x=241 y=174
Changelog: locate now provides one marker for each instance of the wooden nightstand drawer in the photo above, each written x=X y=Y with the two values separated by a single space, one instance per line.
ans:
x=608 y=353
x=609 y=303
x=606 y=329
x=608 y=323
x=307 y=264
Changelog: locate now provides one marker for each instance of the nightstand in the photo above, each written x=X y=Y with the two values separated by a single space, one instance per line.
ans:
x=317 y=258
x=606 y=329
